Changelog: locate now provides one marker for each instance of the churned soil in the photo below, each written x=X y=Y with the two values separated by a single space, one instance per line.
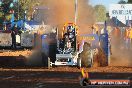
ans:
x=15 y=52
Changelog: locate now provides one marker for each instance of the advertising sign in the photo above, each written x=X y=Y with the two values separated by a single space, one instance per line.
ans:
x=120 y=9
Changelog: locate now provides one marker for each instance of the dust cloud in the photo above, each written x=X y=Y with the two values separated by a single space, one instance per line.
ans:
x=121 y=56
x=59 y=12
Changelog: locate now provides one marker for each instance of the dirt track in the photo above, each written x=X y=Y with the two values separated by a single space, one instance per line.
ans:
x=60 y=77
x=15 y=53
x=110 y=69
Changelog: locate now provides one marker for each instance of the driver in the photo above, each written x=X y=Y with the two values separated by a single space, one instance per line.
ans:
x=68 y=44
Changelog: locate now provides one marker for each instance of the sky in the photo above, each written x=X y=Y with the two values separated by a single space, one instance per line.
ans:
x=106 y=3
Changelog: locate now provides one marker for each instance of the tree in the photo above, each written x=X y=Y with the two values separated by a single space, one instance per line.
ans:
x=6 y=10
x=27 y=5
x=122 y=2
x=18 y=7
x=129 y=1
x=100 y=12
x=15 y=9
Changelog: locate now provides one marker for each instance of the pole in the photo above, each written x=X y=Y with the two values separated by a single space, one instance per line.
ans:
x=76 y=12
x=24 y=19
x=18 y=9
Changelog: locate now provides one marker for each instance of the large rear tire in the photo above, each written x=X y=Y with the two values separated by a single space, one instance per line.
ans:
x=85 y=55
x=96 y=62
x=102 y=58
x=99 y=59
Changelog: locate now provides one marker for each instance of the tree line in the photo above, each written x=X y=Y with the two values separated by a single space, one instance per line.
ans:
x=19 y=7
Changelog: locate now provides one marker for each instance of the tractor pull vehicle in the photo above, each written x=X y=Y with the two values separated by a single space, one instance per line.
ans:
x=81 y=50
x=67 y=50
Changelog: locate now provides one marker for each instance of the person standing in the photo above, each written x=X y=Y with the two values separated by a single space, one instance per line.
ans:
x=130 y=36
x=127 y=38
x=13 y=35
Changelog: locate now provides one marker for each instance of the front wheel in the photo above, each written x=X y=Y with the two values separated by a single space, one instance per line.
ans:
x=79 y=62
x=48 y=62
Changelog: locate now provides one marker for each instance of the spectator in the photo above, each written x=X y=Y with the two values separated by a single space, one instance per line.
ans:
x=13 y=35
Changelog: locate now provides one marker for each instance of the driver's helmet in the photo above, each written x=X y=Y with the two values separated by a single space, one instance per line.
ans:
x=70 y=28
